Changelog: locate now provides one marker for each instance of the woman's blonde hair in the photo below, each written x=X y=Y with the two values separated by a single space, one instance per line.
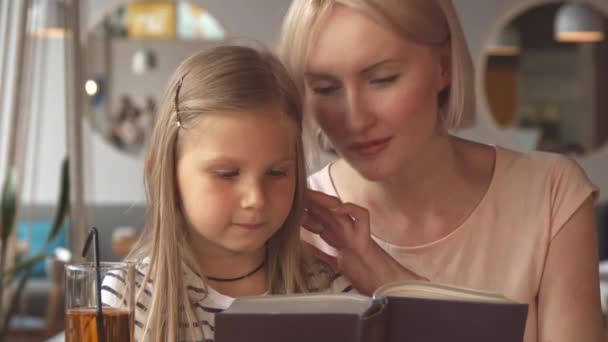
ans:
x=429 y=22
x=223 y=79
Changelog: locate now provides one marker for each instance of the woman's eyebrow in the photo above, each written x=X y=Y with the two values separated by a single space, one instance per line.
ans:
x=365 y=70
x=370 y=68
x=321 y=76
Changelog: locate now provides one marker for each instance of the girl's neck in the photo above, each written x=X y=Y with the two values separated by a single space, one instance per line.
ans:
x=231 y=266
x=254 y=285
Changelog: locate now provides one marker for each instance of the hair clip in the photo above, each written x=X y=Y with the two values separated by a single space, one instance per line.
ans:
x=175 y=104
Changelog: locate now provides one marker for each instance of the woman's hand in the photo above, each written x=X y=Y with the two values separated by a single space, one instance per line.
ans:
x=346 y=227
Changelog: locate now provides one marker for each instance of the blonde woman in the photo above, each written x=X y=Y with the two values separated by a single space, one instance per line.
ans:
x=225 y=179
x=386 y=80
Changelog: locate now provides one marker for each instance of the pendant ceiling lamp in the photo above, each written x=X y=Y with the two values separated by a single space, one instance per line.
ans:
x=507 y=42
x=578 y=23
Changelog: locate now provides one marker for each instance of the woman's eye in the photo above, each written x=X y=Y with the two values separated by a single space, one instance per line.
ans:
x=385 y=80
x=324 y=88
x=277 y=173
x=227 y=173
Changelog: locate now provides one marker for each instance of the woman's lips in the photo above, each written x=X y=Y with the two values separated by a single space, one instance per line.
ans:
x=370 y=147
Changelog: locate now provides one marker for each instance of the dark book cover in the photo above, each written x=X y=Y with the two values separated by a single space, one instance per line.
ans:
x=268 y=327
x=428 y=320
x=387 y=319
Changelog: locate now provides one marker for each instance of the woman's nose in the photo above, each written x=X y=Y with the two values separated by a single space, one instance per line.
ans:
x=358 y=116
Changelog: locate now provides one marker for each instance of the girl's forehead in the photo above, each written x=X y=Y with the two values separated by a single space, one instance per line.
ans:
x=243 y=124
x=243 y=138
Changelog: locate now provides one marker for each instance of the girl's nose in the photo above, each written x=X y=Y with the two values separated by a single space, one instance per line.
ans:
x=253 y=195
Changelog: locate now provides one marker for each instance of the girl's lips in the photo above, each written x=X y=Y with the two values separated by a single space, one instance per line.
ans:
x=250 y=226
x=370 y=147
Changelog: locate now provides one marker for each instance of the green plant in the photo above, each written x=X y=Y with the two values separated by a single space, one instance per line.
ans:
x=22 y=270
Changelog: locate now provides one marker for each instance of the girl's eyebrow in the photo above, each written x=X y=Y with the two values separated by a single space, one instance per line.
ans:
x=228 y=160
x=286 y=161
x=218 y=160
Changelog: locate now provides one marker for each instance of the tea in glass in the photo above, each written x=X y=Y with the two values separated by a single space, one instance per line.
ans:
x=117 y=314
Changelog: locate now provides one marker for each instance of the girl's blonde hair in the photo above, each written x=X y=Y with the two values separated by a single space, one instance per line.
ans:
x=429 y=22
x=223 y=79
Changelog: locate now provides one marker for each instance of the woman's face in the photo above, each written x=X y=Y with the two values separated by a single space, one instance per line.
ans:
x=374 y=92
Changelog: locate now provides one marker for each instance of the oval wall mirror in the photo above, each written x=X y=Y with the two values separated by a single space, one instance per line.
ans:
x=129 y=57
x=546 y=77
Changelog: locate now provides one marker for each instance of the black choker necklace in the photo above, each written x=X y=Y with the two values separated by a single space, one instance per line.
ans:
x=241 y=277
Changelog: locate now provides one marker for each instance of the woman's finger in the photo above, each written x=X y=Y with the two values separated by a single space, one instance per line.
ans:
x=352 y=211
x=322 y=214
x=323 y=199
x=329 y=219
x=314 y=225
x=331 y=230
x=356 y=214
x=311 y=224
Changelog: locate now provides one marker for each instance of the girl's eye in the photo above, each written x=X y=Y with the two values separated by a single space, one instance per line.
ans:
x=227 y=173
x=277 y=173
x=385 y=80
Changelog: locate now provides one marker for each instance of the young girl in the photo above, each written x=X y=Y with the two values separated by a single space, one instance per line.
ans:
x=225 y=179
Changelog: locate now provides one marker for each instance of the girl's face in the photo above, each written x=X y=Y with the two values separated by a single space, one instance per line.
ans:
x=236 y=175
x=374 y=92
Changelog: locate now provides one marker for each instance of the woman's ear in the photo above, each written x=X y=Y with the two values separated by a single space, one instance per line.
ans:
x=445 y=65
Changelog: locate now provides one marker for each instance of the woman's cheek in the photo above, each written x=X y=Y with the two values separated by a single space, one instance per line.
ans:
x=327 y=116
x=404 y=103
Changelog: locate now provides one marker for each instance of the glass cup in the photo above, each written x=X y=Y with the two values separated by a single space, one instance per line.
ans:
x=118 y=302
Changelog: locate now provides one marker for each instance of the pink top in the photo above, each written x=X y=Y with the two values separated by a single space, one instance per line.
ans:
x=502 y=246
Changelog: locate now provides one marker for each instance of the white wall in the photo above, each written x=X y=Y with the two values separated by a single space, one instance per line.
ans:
x=43 y=97
x=47 y=126
x=8 y=57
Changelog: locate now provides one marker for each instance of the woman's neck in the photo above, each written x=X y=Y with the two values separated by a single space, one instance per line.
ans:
x=437 y=190
x=416 y=183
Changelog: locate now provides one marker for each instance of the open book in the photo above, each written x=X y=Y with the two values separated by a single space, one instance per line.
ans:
x=409 y=311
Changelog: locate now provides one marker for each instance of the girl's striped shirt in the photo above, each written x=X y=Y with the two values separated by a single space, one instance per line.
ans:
x=205 y=301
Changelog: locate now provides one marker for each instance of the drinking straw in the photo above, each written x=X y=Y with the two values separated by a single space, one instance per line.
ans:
x=94 y=236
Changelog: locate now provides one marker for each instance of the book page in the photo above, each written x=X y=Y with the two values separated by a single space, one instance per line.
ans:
x=302 y=304
x=421 y=289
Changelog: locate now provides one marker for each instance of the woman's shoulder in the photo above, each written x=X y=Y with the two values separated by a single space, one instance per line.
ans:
x=554 y=177
x=537 y=165
x=544 y=182
x=529 y=158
